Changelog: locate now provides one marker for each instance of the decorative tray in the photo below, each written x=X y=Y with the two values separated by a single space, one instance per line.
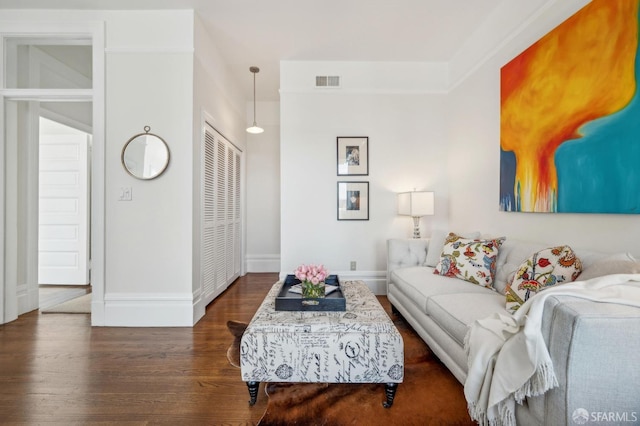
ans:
x=289 y=301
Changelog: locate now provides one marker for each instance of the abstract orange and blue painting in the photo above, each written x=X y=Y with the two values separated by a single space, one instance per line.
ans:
x=570 y=116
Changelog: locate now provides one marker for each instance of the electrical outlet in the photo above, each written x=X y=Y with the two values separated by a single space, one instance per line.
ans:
x=353 y=265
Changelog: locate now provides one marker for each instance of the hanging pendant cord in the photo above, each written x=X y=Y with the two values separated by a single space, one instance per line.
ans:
x=254 y=98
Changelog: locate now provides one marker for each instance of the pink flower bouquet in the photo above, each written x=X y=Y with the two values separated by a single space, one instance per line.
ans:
x=312 y=278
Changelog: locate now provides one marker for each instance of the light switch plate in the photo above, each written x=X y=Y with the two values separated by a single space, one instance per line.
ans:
x=126 y=194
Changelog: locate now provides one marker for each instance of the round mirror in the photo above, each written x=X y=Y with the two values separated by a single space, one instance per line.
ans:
x=145 y=156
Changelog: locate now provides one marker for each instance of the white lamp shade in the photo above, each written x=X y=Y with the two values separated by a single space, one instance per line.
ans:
x=416 y=203
x=255 y=129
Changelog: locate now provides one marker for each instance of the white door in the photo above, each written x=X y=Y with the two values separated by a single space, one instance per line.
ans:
x=63 y=244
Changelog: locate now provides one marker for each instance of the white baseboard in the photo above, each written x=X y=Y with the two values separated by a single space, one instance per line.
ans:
x=27 y=298
x=199 y=308
x=180 y=309
x=375 y=280
x=263 y=262
x=146 y=310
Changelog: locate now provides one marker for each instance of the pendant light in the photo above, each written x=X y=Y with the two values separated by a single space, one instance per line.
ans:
x=255 y=129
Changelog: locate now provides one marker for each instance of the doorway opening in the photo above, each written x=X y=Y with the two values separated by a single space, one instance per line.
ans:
x=49 y=101
x=49 y=197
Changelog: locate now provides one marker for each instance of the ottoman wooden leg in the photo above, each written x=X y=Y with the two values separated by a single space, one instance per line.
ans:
x=253 y=392
x=390 y=392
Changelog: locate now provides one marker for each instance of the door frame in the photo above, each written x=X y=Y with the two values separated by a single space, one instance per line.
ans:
x=56 y=31
x=200 y=297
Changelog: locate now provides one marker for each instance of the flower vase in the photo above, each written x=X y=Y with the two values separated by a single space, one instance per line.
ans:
x=312 y=291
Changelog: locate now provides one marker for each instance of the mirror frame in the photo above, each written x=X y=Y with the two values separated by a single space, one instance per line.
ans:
x=162 y=169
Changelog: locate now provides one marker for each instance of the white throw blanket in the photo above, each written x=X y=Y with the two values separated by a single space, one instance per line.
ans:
x=507 y=357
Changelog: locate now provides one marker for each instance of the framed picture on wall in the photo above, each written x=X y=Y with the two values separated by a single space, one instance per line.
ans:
x=353 y=200
x=353 y=155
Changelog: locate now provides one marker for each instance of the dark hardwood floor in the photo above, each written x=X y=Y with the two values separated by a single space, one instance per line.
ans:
x=57 y=369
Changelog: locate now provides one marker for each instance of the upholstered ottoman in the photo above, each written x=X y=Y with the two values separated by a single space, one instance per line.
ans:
x=358 y=345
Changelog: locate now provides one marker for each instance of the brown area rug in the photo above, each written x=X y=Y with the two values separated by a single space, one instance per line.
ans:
x=429 y=395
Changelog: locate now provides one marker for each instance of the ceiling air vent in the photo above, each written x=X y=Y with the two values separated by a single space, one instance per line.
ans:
x=327 y=81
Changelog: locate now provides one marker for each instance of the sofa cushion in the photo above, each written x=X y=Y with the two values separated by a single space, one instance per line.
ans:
x=608 y=266
x=590 y=257
x=472 y=260
x=402 y=253
x=436 y=243
x=419 y=283
x=543 y=269
x=454 y=313
x=514 y=252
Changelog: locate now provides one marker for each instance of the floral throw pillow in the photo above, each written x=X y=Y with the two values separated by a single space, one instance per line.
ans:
x=472 y=260
x=546 y=268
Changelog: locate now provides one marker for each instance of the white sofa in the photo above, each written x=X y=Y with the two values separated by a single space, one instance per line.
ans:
x=594 y=347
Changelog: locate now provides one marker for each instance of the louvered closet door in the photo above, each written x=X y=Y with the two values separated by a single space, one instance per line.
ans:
x=221 y=214
x=220 y=220
x=233 y=213
x=208 y=213
x=237 y=219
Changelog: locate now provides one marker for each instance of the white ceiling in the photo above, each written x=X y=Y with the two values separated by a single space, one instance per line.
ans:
x=263 y=32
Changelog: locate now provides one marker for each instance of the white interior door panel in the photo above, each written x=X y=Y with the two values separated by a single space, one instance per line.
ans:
x=63 y=243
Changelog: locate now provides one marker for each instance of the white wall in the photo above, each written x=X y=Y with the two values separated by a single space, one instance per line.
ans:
x=217 y=99
x=401 y=108
x=474 y=135
x=149 y=82
x=169 y=75
x=216 y=92
x=148 y=243
x=263 y=189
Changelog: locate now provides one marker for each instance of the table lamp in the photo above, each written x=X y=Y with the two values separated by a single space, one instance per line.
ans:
x=416 y=204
